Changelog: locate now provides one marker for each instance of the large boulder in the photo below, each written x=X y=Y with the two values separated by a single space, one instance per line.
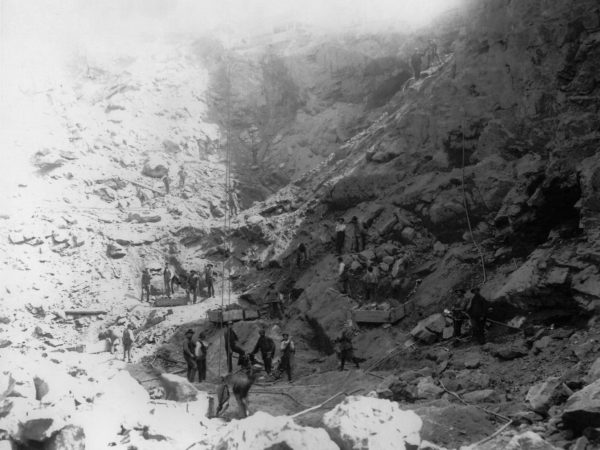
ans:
x=362 y=423
x=430 y=329
x=594 y=372
x=155 y=167
x=582 y=409
x=69 y=438
x=115 y=251
x=528 y=441
x=542 y=396
x=427 y=389
x=178 y=388
x=261 y=431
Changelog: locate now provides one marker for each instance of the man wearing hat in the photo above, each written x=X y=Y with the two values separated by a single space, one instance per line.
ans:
x=267 y=349
x=189 y=347
x=288 y=349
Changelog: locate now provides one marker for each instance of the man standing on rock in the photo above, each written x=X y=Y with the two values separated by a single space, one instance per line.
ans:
x=189 y=348
x=370 y=283
x=359 y=235
x=340 y=236
x=477 y=310
x=193 y=285
x=346 y=349
x=209 y=278
x=288 y=349
x=127 y=340
x=182 y=176
x=167 y=280
x=231 y=346
x=273 y=299
x=459 y=311
x=267 y=350
x=166 y=180
x=415 y=62
x=301 y=254
x=146 y=284
x=200 y=353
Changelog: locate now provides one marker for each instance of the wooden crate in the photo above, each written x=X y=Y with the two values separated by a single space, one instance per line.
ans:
x=218 y=316
x=233 y=314
x=215 y=315
x=371 y=316
x=379 y=316
x=173 y=301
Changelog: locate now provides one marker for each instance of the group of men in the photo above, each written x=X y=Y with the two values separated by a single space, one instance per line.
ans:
x=167 y=180
x=431 y=52
x=369 y=280
x=195 y=353
x=473 y=308
x=358 y=235
x=192 y=282
x=125 y=340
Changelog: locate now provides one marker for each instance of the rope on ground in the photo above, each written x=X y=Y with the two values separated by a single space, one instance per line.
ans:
x=320 y=405
x=492 y=413
x=491 y=436
x=391 y=353
x=466 y=207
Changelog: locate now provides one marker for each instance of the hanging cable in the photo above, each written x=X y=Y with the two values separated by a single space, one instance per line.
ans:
x=466 y=206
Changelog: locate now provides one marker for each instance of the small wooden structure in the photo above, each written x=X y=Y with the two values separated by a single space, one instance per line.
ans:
x=173 y=301
x=233 y=315
x=391 y=315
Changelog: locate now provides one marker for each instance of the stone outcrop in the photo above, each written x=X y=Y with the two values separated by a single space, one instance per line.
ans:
x=261 y=431
x=583 y=408
x=178 y=388
x=360 y=423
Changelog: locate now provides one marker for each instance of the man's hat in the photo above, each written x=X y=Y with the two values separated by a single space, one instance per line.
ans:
x=190 y=331
x=285 y=333
x=261 y=331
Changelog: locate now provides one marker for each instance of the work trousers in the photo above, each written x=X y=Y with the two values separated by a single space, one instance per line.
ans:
x=340 y=237
x=167 y=284
x=211 y=288
x=191 y=368
x=478 y=327
x=286 y=366
x=201 y=366
x=267 y=361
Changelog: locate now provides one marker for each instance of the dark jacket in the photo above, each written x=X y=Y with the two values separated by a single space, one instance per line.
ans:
x=230 y=338
x=478 y=306
x=266 y=345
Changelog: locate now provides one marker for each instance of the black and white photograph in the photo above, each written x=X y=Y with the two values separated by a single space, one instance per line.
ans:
x=300 y=225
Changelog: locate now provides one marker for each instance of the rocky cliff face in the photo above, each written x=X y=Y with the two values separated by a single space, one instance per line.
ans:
x=507 y=126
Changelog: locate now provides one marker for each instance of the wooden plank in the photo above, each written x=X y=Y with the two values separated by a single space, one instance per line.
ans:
x=84 y=312
x=371 y=316
x=174 y=301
